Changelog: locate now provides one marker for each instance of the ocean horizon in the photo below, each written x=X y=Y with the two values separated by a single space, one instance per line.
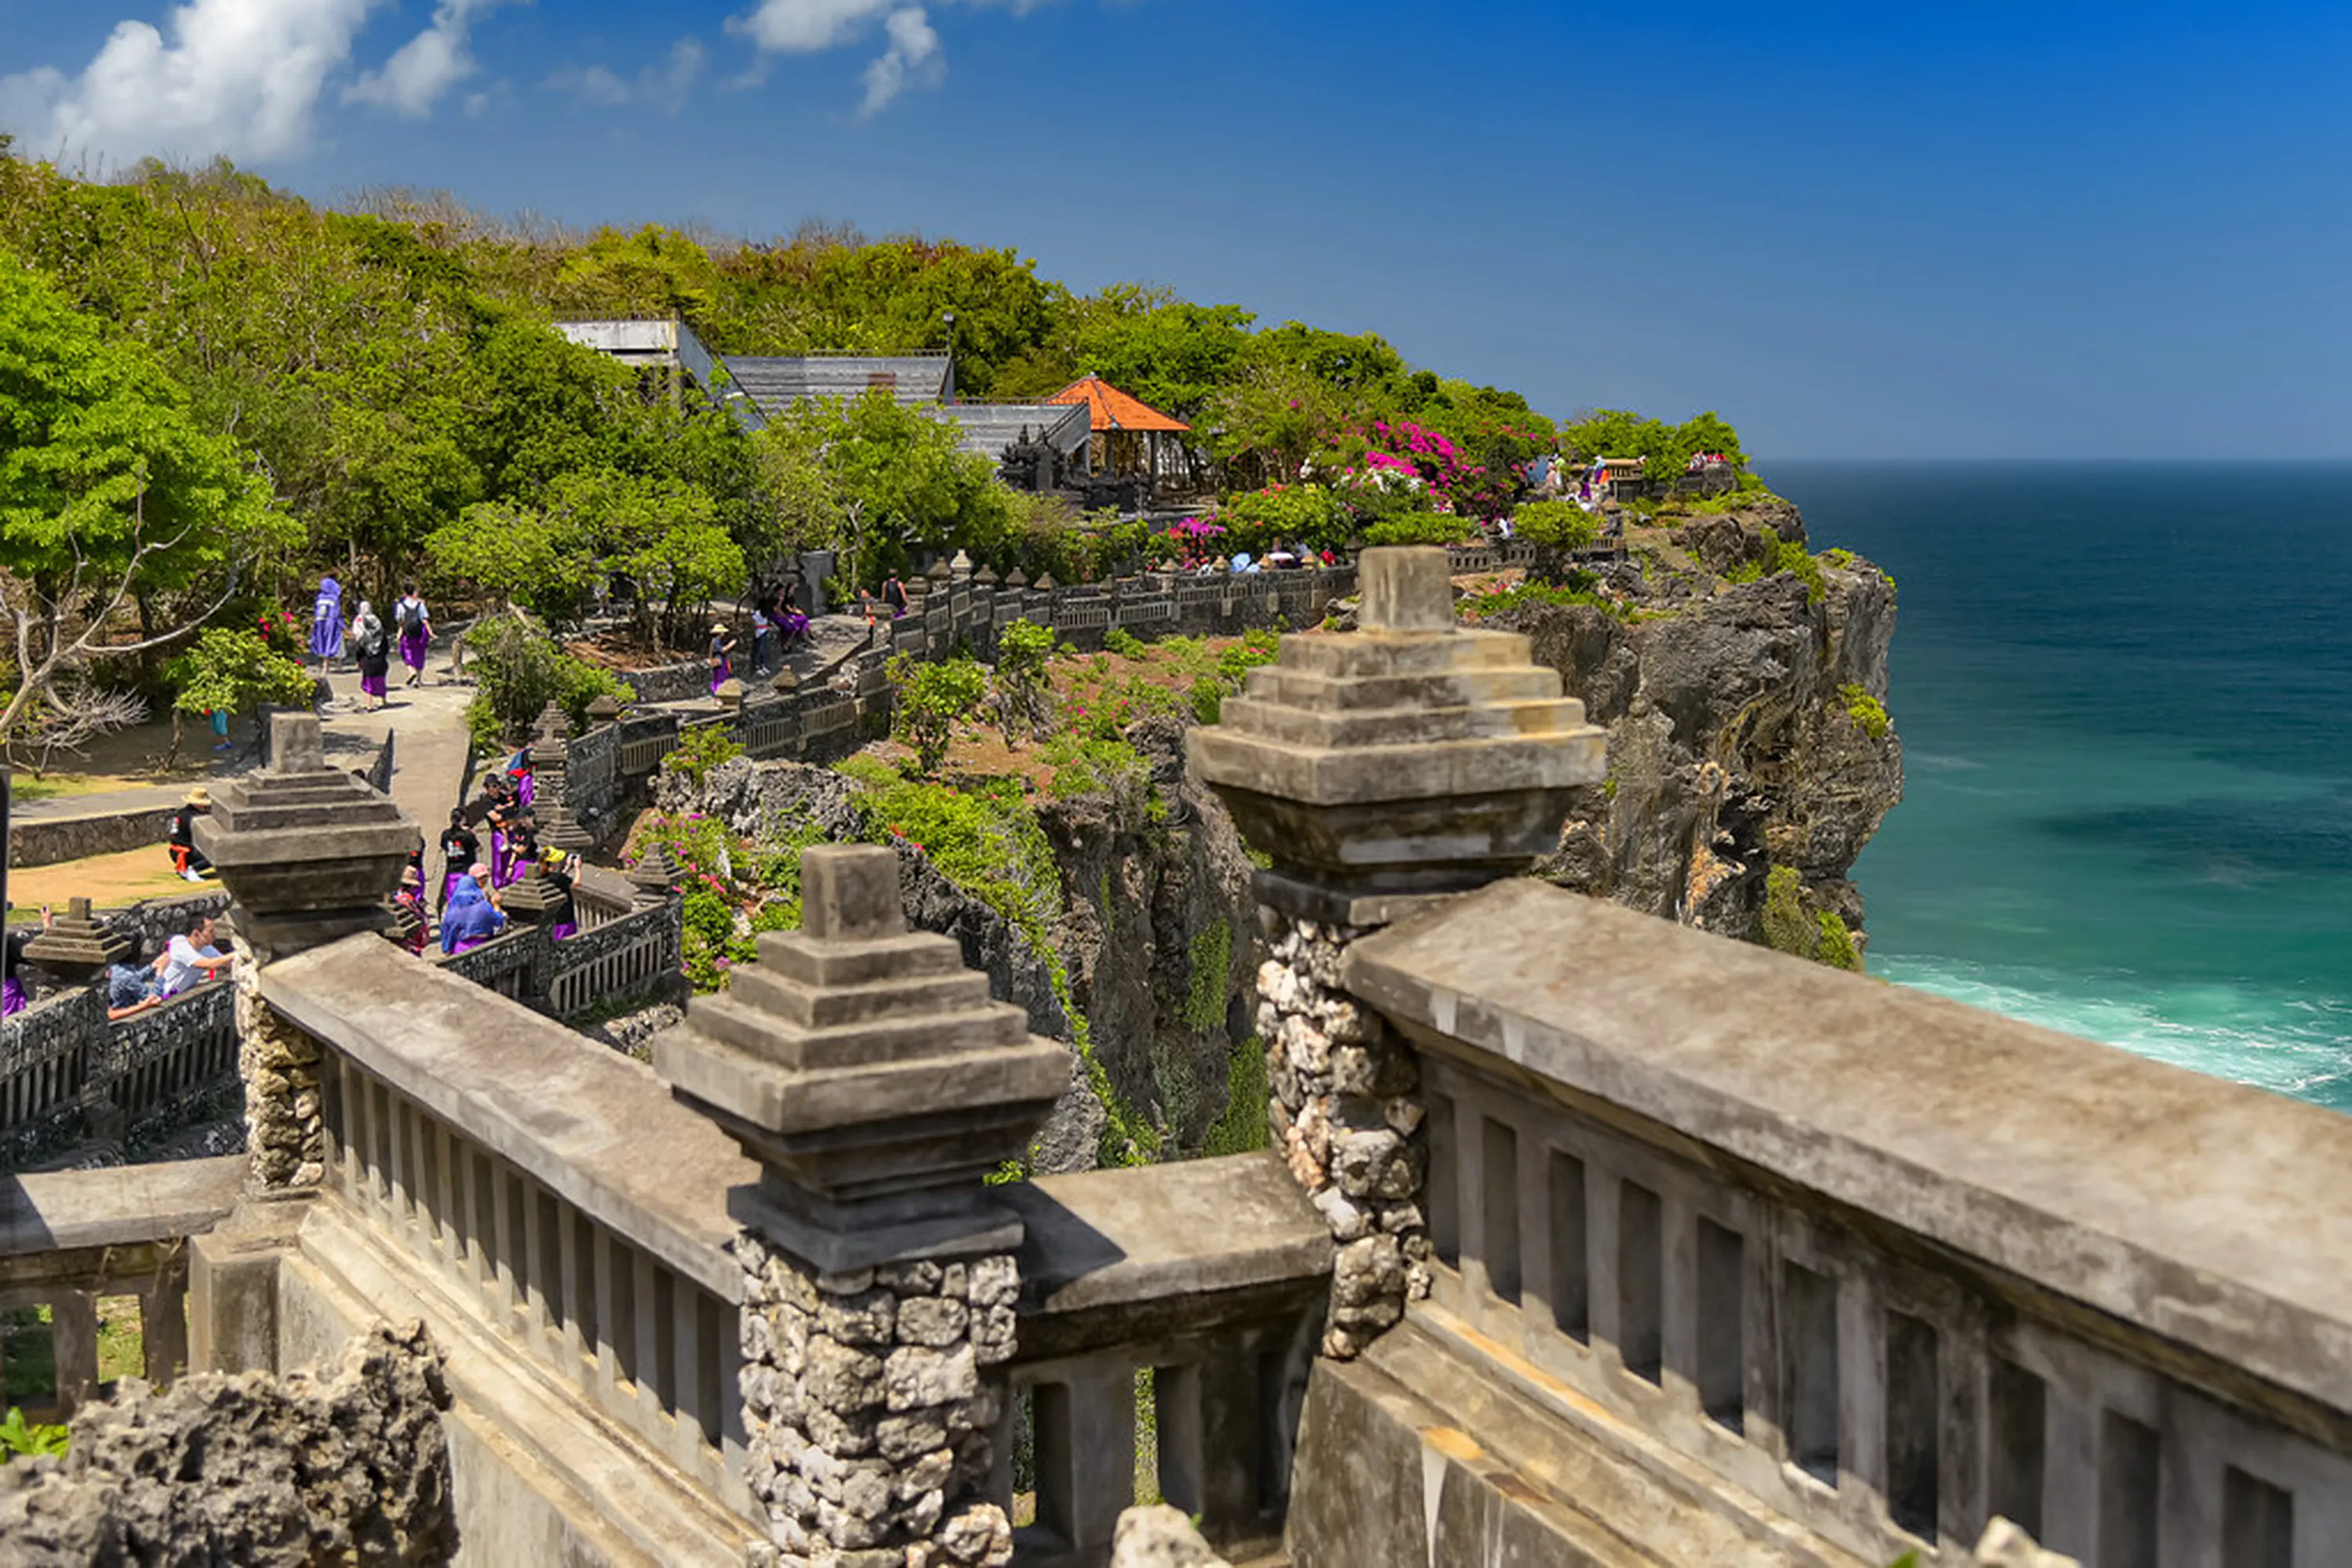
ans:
x=2122 y=689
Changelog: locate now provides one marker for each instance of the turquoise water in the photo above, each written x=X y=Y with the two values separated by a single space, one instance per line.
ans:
x=2125 y=694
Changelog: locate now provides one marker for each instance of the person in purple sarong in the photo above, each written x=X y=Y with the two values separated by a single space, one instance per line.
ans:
x=371 y=647
x=519 y=771
x=556 y=869
x=723 y=656
x=522 y=848
x=460 y=848
x=471 y=918
x=415 y=623
x=327 y=622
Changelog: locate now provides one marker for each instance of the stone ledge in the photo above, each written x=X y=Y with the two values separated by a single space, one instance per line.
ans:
x=2201 y=1212
x=594 y=1127
x=118 y=1207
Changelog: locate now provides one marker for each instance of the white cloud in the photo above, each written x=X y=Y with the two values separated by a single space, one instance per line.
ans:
x=238 y=77
x=911 y=56
x=666 y=86
x=425 y=66
x=911 y=60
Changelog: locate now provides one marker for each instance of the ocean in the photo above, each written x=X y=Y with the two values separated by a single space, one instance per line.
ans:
x=2125 y=694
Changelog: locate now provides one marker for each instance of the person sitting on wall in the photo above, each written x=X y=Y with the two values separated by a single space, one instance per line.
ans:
x=471 y=918
x=189 y=961
x=411 y=899
x=132 y=988
x=187 y=859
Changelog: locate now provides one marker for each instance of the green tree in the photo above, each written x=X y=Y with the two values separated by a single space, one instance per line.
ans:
x=109 y=491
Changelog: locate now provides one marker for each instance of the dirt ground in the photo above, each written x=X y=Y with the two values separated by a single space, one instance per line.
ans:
x=108 y=882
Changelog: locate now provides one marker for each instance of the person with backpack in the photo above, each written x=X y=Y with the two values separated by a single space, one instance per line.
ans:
x=372 y=646
x=415 y=632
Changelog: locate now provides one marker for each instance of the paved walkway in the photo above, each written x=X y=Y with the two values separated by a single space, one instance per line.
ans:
x=428 y=760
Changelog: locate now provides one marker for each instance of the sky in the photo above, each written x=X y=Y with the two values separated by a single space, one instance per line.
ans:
x=1980 y=229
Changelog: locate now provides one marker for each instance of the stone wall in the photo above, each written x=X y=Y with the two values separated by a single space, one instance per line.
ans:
x=349 y=1464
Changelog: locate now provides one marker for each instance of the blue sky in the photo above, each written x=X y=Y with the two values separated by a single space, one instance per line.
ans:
x=1968 y=230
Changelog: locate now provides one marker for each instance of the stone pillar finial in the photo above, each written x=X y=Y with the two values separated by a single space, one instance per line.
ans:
x=603 y=709
x=74 y=947
x=1406 y=589
x=1407 y=759
x=655 y=876
x=309 y=853
x=551 y=724
x=871 y=1074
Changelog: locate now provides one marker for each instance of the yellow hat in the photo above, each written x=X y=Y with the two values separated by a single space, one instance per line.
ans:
x=199 y=795
x=552 y=854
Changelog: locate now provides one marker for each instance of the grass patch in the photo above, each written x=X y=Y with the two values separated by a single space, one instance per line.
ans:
x=1865 y=710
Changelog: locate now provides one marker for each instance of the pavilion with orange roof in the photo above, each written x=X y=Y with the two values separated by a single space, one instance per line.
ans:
x=1128 y=431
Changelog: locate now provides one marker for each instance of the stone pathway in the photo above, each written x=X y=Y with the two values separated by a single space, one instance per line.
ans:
x=428 y=760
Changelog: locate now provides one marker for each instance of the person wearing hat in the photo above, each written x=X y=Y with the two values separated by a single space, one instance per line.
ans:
x=187 y=859
x=723 y=656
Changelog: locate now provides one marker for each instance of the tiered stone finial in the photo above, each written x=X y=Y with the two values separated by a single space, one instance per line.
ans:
x=1044 y=582
x=959 y=567
x=940 y=573
x=655 y=876
x=74 y=947
x=604 y=710
x=730 y=694
x=986 y=576
x=869 y=1073
x=549 y=728
x=309 y=853
x=529 y=896
x=786 y=682
x=1411 y=757
x=1016 y=579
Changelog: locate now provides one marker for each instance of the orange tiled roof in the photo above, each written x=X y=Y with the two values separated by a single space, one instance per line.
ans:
x=1108 y=408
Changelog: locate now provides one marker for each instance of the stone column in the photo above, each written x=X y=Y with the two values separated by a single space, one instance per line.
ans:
x=869 y=1072
x=1404 y=762
x=310 y=855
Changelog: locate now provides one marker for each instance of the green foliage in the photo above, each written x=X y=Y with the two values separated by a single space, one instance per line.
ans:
x=878 y=481
x=931 y=698
x=1865 y=710
x=1211 y=960
x=1421 y=528
x=1558 y=524
x=1783 y=556
x=1787 y=925
x=1531 y=595
x=700 y=749
x=1615 y=433
x=518 y=669
x=19 y=1436
x=1308 y=517
x=1106 y=766
x=731 y=889
x=1242 y=1127
x=1023 y=699
x=237 y=670
x=1207 y=698
x=1122 y=642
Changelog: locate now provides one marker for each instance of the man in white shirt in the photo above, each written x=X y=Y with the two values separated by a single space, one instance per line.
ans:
x=191 y=958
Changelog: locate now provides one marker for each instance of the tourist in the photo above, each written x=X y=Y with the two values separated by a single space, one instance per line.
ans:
x=460 y=848
x=471 y=918
x=894 y=594
x=522 y=848
x=187 y=859
x=131 y=988
x=1279 y=558
x=415 y=632
x=371 y=647
x=13 y=998
x=723 y=656
x=410 y=900
x=520 y=772
x=327 y=622
x=190 y=960
x=556 y=869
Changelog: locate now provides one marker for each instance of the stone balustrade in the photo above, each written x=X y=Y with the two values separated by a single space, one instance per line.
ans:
x=67 y=1071
x=69 y=1238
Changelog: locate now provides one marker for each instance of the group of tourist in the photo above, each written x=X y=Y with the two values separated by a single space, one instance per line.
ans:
x=778 y=625
x=370 y=642
x=467 y=909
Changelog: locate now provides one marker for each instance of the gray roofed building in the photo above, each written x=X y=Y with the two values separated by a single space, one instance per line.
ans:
x=775 y=381
x=989 y=428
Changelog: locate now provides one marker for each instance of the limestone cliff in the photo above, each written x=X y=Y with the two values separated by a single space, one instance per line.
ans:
x=1745 y=706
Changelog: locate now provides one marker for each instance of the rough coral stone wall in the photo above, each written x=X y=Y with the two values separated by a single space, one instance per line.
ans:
x=285 y=1131
x=1345 y=1120
x=868 y=1404
x=344 y=1466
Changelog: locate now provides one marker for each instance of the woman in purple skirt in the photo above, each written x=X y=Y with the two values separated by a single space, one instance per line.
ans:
x=415 y=632
x=372 y=648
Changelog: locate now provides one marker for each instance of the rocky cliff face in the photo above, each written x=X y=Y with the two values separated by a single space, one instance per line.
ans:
x=1143 y=972
x=1746 y=719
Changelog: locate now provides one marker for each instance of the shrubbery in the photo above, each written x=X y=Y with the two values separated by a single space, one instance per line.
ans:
x=1558 y=524
x=931 y=698
x=1786 y=925
x=1865 y=710
x=1025 y=703
x=701 y=749
x=518 y=669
